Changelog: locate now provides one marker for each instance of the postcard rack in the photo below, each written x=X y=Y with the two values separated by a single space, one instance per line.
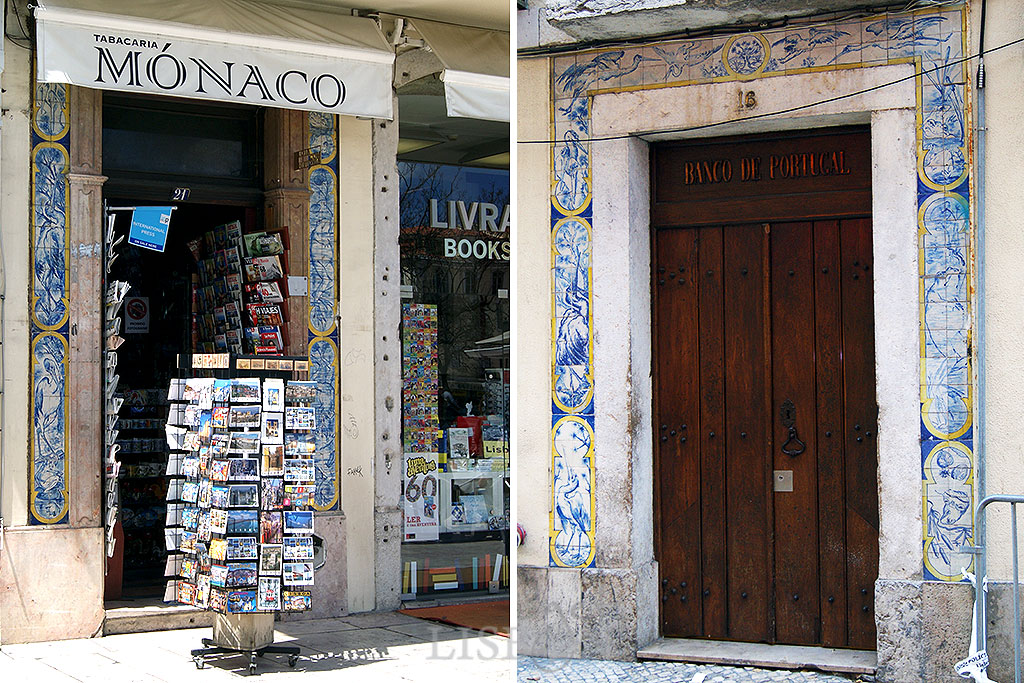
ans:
x=241 y=431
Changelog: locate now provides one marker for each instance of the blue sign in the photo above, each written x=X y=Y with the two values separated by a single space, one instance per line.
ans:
x=149 y=227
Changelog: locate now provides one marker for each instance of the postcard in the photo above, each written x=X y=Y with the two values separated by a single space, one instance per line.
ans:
x=190 y=491
x=273 y=460
x=192 y=439
x=299 y=444
x=219 y=496
x=298 y=521
x=192 y=415
x=203 y=529
x=245 y=390
x=270 y=527
x=298 y=496
x=199 y=390
x=219 y=470
x=243 y=522
x=218 y=549
x=220 y=417
x=298 y=573
x=203 y=557
x=188 y=542
x=242 y=548
x=271 y=557
x=299 y=392
x=241 y=601
x=243 y=496
x=241 y=574
x=272 y=430
x=245 y=416
x=273 y=494
x=299 y=469
x=189 y=568
x=190 y=518
x=205 y=491
x=205 y=420
x=247 y=443
x=299 y=418
x=269 y=593
x=218 y=600
x=203 y=590
x=296 y=601
x=273 y=395
x=219 y=443
x=218 y=574
x=218 y=521
x=186 y=593
x=244 y=469
x=221 y=390
x=298 y=548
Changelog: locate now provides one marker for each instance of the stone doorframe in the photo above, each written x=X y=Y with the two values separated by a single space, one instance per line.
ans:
x=621 y=261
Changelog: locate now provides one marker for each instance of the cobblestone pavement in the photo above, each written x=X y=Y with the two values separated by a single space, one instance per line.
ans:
x=599 y=671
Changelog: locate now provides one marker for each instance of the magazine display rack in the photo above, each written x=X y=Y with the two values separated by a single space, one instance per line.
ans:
x=240 y=431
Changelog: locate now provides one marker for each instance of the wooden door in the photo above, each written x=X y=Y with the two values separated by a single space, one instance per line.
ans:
x=765 y=432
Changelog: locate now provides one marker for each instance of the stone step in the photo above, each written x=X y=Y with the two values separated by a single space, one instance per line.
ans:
x=147 y=617
x=760 y=655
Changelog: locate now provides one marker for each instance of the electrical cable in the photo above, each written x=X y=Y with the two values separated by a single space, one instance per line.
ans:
x=788 y=110
x=24 y=32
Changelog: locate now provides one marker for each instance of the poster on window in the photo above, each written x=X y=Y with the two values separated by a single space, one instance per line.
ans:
x=420 y=496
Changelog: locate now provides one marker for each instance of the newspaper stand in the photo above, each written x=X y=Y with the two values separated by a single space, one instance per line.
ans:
x=249 y=627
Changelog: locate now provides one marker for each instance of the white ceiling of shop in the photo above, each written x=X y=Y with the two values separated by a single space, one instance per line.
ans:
x=492 y=14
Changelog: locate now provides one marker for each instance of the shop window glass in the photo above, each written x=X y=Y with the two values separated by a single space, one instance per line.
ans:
x=455 y=342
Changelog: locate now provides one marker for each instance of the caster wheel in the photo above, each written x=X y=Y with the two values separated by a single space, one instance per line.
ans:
x=292 y=659
x=199 y=662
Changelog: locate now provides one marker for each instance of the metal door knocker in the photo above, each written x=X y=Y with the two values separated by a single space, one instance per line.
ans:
x=793 y=446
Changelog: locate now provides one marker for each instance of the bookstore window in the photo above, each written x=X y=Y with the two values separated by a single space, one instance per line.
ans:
x=455 y=346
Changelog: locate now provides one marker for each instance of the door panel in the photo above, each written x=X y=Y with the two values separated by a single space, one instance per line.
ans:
x=678 y=459
x=749 y=318
x=746 y=434
x=861 y=418
x=829 y=437
x=710 y=432
x=796 y=511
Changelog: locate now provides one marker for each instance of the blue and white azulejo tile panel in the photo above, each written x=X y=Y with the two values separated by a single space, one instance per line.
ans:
x=324 y=336
x=934 y=40
x=49 y=305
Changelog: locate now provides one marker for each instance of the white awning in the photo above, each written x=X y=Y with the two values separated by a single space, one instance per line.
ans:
x=240 y=51
x=476 y=68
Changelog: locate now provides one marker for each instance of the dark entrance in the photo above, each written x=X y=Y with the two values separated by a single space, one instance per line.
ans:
x=151 y=146
x=765 y=411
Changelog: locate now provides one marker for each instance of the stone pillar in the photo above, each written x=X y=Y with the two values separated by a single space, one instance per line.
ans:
x=387 y=361
x=85 y=341
x=286 y=204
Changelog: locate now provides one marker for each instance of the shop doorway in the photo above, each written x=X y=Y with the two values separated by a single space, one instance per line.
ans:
x=205 y=161
x=157 y=324
x=765 y=416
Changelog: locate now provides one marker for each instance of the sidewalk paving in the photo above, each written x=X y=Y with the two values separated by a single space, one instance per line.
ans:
x=363 y=647
x=542 y=670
